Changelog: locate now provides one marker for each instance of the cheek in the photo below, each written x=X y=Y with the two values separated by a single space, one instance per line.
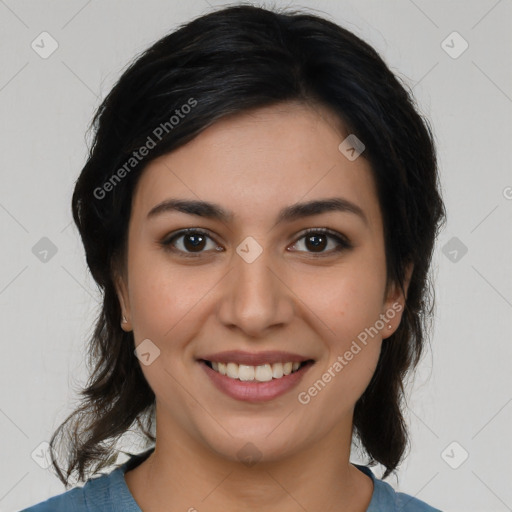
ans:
x=346 y=299
x=358 y=306
x=165 y=306
x=356 y=342
x=349 y=301
x=362 y=294
x=160 y=298
x=352 y=345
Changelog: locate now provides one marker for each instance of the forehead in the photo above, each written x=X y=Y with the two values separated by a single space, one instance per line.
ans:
x=256 y=162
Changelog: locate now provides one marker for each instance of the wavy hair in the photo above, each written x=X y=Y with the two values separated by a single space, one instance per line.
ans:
x=229 y=61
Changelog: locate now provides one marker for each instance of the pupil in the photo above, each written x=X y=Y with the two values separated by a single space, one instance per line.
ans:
x=317 y=244
x=199 y=239
x=194 y=245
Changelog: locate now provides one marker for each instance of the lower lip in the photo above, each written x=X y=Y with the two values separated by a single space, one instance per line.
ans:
x=253 y=391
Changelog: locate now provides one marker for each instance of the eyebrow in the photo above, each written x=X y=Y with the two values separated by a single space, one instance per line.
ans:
x=287 y=214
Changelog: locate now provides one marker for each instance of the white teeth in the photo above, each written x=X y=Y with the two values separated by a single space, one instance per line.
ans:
x=261 y=373
x=232 y=370
x=245 y=372
x=277 y=370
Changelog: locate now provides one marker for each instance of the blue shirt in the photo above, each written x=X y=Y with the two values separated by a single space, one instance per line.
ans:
x=109 y=493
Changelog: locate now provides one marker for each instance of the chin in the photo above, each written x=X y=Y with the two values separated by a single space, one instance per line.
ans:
x=251 y=448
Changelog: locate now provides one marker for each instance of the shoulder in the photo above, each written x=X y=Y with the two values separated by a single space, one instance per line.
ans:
x=71 y=501
x=386 y=499
x=104 y=493
x=94 y=495
x=407 y=503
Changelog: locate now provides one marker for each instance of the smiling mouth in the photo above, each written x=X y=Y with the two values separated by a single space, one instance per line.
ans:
x=260 y=373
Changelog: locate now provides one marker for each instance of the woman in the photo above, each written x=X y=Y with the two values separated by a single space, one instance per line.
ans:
x=259 y=208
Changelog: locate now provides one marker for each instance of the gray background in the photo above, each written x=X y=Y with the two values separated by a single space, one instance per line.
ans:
x=462 y=392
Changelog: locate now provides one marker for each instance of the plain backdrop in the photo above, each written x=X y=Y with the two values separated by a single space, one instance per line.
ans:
x=460 y=406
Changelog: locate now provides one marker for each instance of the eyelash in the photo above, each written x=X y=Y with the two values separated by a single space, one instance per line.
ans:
x=344 y=243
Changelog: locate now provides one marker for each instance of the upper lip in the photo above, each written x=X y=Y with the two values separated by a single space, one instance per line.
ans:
x=254 y=359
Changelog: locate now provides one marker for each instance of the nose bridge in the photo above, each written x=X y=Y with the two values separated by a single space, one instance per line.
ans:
x=255 y=298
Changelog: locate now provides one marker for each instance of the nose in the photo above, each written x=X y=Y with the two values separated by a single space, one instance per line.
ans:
x=255 y=298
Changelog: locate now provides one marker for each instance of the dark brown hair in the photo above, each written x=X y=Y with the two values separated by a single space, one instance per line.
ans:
x=229 y=61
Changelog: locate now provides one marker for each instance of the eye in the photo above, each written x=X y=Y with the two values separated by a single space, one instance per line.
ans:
x=193 y=243
x=317 y=239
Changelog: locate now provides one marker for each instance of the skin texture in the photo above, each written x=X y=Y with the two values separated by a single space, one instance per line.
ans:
x=291 y=298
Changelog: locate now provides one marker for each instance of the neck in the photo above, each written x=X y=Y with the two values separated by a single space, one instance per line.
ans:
x=317 y=478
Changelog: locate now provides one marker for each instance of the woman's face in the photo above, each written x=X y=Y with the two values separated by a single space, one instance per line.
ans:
x=254 y=282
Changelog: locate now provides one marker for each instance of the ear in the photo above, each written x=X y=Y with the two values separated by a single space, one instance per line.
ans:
x=124 y=301
x=394 y=304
